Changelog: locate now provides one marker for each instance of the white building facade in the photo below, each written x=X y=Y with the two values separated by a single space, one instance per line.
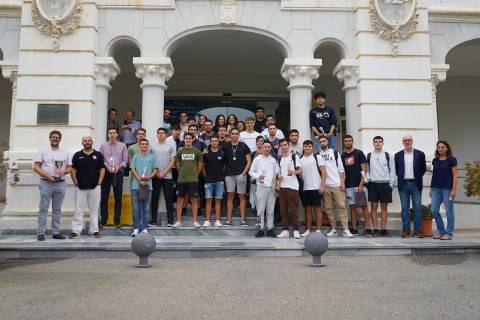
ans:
x=145 y=54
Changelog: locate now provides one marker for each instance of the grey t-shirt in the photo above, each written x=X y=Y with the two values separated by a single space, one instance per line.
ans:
x=163 y=154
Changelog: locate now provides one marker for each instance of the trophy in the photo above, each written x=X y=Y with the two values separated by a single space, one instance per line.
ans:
x=58 y=165
x=264 y=172
x=289 y=169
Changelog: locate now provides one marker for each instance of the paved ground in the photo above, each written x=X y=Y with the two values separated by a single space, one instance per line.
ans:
x=415 y=287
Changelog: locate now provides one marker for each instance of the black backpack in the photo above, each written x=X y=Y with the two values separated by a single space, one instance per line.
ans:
x=387 y=156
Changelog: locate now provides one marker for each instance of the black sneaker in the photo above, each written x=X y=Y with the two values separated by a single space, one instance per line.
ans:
x=41 y=237
x=97 y=235
x=376 y=233
x=368 y=233
x=244 y=223
x=259 y=234
x=118 y=225
x=228 y=223
x=73 y=235
x=385 y=233
x=354 y=231
x=58 y=236
x=271 y=233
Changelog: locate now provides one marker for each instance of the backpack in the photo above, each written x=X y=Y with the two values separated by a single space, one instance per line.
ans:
x=387 y=156
x=299 y=179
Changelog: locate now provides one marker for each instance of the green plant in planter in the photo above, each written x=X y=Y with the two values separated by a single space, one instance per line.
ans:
x=472 y=180
x=426 y=212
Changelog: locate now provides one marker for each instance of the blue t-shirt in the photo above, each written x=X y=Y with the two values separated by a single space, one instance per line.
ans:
x=442 y=173
x=144 y=165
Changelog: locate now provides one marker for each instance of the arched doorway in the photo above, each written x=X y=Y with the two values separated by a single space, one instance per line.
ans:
x=229 y=69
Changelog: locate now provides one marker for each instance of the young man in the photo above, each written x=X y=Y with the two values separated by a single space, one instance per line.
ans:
x=133 y=149
x=214 y=186
x=189 y=162
x=295 y=146
x=115 y=155
x=323 y=121
x=249 y=136
x=290 y=168
x=174 y=137
x=200 y=145
x=273 y=138
x=334 y=189
x=144 y=168
x=410 y=167
x=271 y=120
x=260 y=123
x=207 y=135
x=164 y=154
x=183 y=124
x=264 y=170
x=355 y=164
x=222 y=137
x=238 y=160
x=129 y=128
x=166 y=119
x=314 y=177
x=88 y=170
x=112 y=120
x=380 y=179
x=51 y=163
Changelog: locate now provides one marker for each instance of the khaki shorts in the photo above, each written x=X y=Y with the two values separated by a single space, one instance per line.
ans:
x=239 y=182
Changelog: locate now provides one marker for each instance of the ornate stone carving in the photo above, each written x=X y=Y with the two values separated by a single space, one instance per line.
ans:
x=393 y=20
x=55 y=18
x=228 y=11
x=346 y=71
x=105 y=70
x=301 y=73
x=152 y=71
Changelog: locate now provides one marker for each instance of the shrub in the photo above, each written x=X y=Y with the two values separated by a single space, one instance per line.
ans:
x=472 y=180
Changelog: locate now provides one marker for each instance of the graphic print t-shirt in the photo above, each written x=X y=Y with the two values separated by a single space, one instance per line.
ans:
x=189 y=159
x=351 y=163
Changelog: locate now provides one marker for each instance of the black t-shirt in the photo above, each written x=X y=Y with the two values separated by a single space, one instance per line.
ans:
x=214 y=165
x=259 y=126
x=323 y=118
x=351 y=163
x=235 y=158
x=88 y=168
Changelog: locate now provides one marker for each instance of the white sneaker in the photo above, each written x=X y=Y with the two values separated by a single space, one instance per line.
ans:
x=144 y=231
x=196 y=224
x=177 y=225
x=218 y=224
x=306 y=233
x=284 y=234
x=296 y=234
x=135 y=232
x=332 y=233
x=318 y=230
x=207 y=224
x=347 y=234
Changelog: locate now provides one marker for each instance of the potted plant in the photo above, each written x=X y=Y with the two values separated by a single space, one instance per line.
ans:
x=427 y=220
x=472 y=180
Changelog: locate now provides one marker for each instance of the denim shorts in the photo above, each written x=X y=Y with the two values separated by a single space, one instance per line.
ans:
x=214 y=190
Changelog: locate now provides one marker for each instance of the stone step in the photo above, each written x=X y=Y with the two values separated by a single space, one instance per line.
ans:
x=27 y=247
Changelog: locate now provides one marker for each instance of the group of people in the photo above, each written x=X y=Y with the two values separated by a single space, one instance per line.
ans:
x=198 y=161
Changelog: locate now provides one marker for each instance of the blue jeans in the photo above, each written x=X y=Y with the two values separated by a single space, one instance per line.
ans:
x=140 y=210
x=54 y=192
x=316 y=143
x=411 y=191
x=214 y=190
x=439 y=196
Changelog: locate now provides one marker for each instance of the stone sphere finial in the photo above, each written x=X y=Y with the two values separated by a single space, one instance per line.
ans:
x=316 y=244
x=143 y=246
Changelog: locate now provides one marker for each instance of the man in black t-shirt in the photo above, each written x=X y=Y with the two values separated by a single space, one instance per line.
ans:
x=214 y=186
x=238 y=160
x=88 y=170
x=355 y=165
x=323 y=121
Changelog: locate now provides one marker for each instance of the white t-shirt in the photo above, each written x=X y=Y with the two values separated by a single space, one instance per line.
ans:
x=333 y=171
x=250 y=139
x=289 y=182
x=310 y=174
x=278 y=135
x=265 y=166
x=53 y=160
x=297 y=149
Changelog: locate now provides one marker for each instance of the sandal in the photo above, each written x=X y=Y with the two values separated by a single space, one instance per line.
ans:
x=437 y=236
x=446 y=237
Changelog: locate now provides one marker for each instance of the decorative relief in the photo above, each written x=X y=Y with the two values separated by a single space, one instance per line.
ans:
x=153 y=74
x=393 y=20
x=228 y=11
x=55 y=18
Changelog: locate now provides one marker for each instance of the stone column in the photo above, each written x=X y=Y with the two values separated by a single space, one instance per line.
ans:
x=438 y=74
x=154 y=72
x=300 y=73
x=346 y=71
x=10 y=71
x=106 y=70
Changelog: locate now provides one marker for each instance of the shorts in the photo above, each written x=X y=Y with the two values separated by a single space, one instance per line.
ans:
x=239 y=181
x=214 y=190
x=311 y=198
x=184 y=188
x=379 y=192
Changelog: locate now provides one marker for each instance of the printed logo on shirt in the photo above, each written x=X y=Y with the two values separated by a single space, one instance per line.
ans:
x=322 y=115
x=350 y=161
x=327 y=157
x=219 y=157
x=188 y=156
x=94 y=157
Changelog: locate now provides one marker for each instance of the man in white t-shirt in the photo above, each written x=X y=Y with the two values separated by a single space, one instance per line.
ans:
x=290 y=168
x=271 y=120
x=51 y=163
x=264 y=170
x=249 y=137
x=334 y=188
x=314 y=177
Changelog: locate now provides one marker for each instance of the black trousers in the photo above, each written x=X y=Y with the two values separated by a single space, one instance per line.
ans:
x=167 y=186
x=115 y=180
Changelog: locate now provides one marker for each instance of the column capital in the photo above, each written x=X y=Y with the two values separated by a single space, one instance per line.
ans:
x=153 y=71
x=105 y=70
x=9 y=70
x=300 y=72
x=346 y=71
x=438 y=74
